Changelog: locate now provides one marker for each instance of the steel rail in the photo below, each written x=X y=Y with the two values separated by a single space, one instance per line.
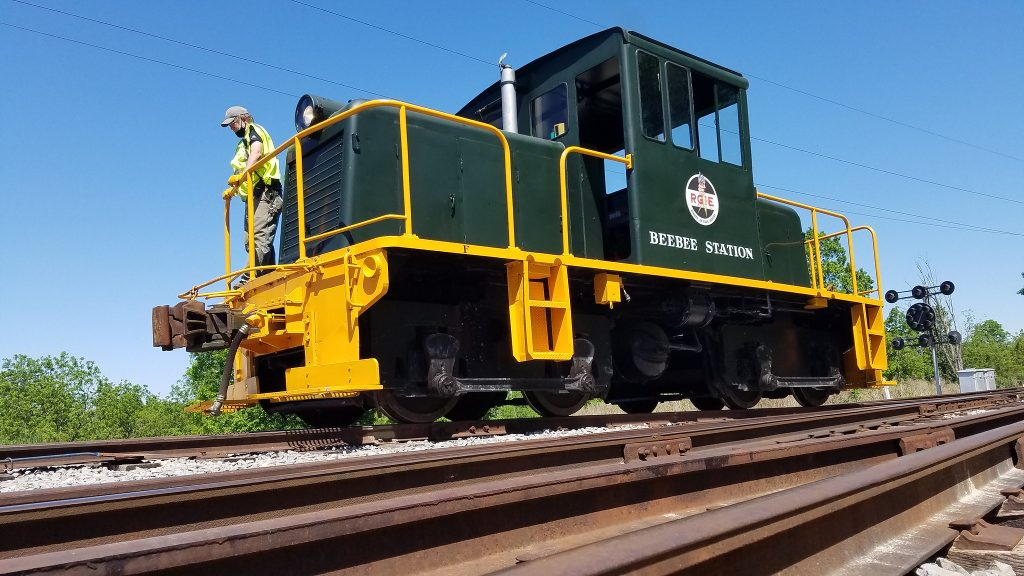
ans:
x=603 y=446
x=837 y=525
x=398 y=522
x=69 y=453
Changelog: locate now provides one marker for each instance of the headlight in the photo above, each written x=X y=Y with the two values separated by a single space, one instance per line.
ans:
x=305 y=113
x=312 y=109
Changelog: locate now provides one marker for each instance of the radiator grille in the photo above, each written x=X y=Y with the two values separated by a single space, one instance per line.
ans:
x=322 y=168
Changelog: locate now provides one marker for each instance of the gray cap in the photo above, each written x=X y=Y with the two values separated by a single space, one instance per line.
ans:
x=230 y=114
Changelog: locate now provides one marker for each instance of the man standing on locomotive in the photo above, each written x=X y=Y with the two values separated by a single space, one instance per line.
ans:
x=267 y=191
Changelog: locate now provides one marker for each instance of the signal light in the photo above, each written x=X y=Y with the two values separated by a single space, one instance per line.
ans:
x=920 y=292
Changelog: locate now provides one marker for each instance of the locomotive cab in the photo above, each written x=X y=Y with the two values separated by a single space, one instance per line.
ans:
x=613 y=248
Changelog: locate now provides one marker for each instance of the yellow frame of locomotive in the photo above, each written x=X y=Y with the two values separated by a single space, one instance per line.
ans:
x=292 y=307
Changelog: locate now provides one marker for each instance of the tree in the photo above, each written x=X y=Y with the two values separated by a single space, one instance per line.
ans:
x=989 y=345
x=950 y=357
x=835 y=266
x=46 y=399
x=115 y=410
x=910 y=363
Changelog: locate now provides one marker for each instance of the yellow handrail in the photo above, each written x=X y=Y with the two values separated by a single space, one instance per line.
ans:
x=296 y=141
x=563 y=188
x=814 y=243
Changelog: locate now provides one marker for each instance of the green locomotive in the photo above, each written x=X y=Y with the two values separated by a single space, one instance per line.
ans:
x=589 y=229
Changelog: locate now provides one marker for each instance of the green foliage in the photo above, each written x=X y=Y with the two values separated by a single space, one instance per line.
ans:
x=508 y=412
x=65 y=399
x=911 y=363
x=835 y=265
x=46 y=400
x=989 y=345
x=200 y=383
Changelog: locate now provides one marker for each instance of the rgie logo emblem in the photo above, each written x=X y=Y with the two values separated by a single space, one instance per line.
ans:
x=702 y=199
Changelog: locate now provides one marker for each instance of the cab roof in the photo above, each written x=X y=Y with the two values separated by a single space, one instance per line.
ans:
x=570 y=54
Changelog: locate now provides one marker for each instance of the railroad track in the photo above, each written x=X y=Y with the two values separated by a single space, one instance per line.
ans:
x=113 y=452
x=726 y=496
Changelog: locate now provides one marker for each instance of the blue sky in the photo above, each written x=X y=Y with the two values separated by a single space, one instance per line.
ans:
x=114 y=164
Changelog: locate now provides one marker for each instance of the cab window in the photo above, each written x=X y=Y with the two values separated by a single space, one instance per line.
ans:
x=729 y=124
x=716 y=106
x=652 y=117
x=679 y=113
x=550 y=113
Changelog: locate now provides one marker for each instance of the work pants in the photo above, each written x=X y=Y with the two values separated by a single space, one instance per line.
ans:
x=266 y=213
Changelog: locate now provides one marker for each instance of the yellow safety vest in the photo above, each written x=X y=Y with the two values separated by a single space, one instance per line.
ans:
x=268 y=171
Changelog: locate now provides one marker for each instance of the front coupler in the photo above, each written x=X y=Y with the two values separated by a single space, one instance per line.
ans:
x=190 y=325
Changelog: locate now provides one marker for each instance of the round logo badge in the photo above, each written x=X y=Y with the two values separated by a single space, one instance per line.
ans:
x=702 y=199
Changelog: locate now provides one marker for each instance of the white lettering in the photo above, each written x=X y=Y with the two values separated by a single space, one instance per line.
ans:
x=673 y=240
x=728 y=250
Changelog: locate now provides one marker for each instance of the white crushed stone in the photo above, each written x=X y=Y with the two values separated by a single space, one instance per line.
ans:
x=946 y=567
x=962 y=413
x=64 y=476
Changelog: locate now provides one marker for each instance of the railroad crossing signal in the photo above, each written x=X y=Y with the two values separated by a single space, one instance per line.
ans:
x=921 y=318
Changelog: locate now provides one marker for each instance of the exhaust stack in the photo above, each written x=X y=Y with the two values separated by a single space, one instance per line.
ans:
x=509 y=118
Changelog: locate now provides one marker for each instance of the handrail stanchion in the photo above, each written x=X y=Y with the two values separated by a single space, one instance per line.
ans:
x=563 y=187
x=812 y=258
x=250 y=211
x=300 y=199
x=817 y=249
x=227 y=242
x=406 y=192
x=509 y=201
x=878 y=271
x=853 y=267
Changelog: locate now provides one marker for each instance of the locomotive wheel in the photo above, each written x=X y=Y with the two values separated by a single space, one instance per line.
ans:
x=413 y=409
x=331 y=417
x=707 y=403
x=475 y=406
x=810 y=397
x=555 y=403
x=737 y=399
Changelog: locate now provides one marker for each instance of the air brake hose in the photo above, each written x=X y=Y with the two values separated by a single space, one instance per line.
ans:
x=229 y=363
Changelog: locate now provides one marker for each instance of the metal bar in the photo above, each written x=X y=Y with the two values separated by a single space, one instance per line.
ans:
x=849 y=235
x=878 y=270
x=251 y=212
x=874 y=246
x=563 y=188
x=817 y=248
x=227 y=242
x=300 y=198
x=853 y=267
x=406 y=192
x=194 y=291
x=811 y=259
x=337 y=231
